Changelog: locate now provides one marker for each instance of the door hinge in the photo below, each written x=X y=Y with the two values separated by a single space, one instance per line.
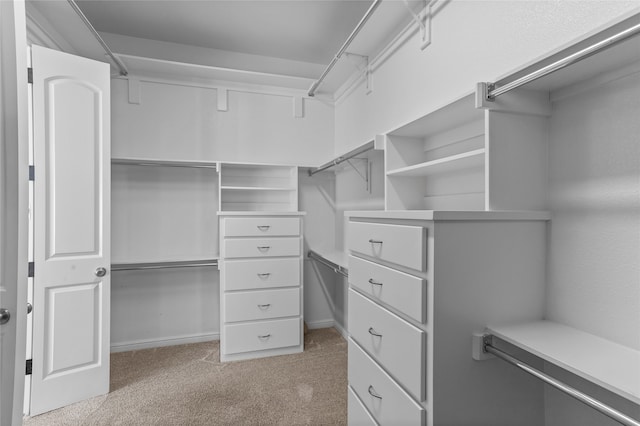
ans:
x=32 y=172
x=30 y=75
x=29 y=367
x=32 y=267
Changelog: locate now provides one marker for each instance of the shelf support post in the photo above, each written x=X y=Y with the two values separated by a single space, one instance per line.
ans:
x=223 y=99
x=423 y=19
x=134 y=90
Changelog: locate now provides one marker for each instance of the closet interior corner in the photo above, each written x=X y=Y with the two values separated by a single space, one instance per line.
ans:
x=440 y=229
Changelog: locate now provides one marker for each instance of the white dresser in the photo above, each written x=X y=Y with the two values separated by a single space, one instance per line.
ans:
x=421 y=282
x=261 y=292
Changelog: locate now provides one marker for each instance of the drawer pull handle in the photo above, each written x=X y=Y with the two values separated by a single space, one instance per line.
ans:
x=373 y=392
x=375 y=241
x=264 y=228
x=264 y=307
x=264 y=249
x=264 y=337
x=264 y=276
x=371 y=281
x=374 y=333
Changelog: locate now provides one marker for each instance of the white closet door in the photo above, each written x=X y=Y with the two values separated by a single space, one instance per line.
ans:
x=71 y=133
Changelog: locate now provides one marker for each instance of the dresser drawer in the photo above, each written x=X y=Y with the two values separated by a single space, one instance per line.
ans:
x=261 y=273
x=261 y=226
x=262 y=335
x=261 y=247
x=262 y=304
x=404 y=292
x=383 y=398
x=401 y=244
x=397 y=345
x=357 y=413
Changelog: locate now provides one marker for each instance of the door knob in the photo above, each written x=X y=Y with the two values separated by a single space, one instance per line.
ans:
x=5 y=316
x=101 y=272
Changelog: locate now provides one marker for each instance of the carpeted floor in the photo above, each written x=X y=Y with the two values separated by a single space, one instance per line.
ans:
x=187 y=385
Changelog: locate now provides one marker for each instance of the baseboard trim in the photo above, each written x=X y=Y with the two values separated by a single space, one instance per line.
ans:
x=341 y=330
x=157 y=343
x=312 y=325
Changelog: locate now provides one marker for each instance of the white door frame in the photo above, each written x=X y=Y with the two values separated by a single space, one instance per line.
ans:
x=14 y=199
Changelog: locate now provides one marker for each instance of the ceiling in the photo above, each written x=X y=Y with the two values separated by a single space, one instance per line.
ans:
x=295 y=39
x=302 y=30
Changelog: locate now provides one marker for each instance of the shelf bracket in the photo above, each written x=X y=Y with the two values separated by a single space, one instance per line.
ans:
x=423 y=19
x=134 y=91
x=483 y=99
x=298 y=107
x=361 y=63
x=367 y=171
x=223 y=99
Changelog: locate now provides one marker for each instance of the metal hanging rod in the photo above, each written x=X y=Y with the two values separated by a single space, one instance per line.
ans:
x=163 y=163
x=364 y=148
x=336 y=268
x=571 y=391
x=163 y=265
x=354 y=33
x=118 y=61
x=493 y=92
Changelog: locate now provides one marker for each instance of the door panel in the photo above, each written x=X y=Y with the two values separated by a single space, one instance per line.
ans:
x=71 y=132
x=64 y=351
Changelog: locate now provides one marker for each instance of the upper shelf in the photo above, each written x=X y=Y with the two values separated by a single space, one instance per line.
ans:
x=608 y=364
x=196 y=73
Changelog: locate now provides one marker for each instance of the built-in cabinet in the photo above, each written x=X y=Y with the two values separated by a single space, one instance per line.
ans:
x=261 y=291
x=503 y=187
x=190 y=216
x=421 y=282
x=463 y=158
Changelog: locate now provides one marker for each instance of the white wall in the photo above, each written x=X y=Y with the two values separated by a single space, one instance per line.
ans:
x=170 y=213
x=472 y=41
x=594 y=250
x=182 y=122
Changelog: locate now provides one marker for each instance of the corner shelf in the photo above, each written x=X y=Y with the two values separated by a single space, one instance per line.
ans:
x=600 y=361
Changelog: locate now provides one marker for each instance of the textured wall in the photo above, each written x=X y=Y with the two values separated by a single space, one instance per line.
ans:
x=471 y=41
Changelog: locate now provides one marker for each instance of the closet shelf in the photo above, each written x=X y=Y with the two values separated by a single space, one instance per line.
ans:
x=164 y=163
x=603 y=362
x=335 y=260
x=135 y=266
x=196 y=73
x=466 y=160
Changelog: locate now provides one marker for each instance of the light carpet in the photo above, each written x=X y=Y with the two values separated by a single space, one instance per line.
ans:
x=187 y=385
